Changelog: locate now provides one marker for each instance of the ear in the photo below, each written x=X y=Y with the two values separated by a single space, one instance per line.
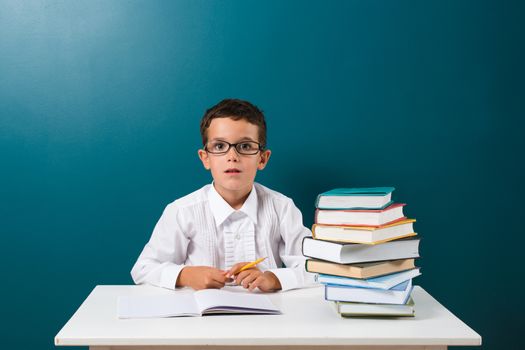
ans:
x=205 y=159
x=265 y=157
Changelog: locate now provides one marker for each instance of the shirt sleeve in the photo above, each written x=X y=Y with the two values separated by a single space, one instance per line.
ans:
x=164 y=255
x=294 y=274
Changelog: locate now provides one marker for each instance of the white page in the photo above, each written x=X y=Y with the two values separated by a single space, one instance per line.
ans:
x=232 y=301
x=176 y=304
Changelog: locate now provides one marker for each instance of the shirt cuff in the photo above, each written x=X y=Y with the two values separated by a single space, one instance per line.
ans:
x=287 y=277
x=169 y=276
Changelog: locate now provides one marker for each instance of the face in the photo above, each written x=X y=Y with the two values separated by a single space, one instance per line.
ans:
x=233 y=173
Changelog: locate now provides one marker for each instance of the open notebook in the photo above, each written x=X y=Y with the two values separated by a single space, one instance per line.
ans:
x=203 y=302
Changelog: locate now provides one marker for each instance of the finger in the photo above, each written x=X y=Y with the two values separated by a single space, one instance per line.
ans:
x=256 y=284
x=249 y=279
x=235 y=269
x=229 y=272
x=241 y=276
x=246 y=280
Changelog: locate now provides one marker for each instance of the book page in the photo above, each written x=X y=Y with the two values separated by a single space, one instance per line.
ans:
x=176 y=304
x=215 y=300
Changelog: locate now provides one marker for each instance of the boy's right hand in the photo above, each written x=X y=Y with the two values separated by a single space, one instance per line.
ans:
x=202 y=277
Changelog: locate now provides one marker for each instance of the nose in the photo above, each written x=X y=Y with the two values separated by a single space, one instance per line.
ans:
x=232 y=155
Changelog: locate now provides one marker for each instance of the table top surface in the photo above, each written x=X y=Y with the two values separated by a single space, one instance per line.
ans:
x=307 y=319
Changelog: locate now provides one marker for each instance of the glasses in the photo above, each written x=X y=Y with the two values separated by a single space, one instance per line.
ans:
x=247 y=148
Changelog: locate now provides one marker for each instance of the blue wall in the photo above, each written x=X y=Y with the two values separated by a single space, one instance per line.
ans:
x=100 y=103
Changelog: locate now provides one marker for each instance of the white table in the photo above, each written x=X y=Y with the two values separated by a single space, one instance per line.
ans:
x=308 y=322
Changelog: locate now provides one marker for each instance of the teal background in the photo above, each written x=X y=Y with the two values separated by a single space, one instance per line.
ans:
x=100 y=103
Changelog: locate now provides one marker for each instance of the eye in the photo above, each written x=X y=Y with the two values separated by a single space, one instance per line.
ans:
x=218 y=146
x=246 y=146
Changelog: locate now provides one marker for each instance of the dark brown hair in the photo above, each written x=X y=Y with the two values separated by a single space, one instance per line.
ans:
x=235 y=109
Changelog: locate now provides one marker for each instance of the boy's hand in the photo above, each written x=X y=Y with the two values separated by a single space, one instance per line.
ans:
x=254 y=278
x=202 y=277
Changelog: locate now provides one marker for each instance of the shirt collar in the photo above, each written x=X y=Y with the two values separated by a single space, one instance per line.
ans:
x=222 y=210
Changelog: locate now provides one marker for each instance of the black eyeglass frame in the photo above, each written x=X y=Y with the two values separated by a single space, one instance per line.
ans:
x=230 y=145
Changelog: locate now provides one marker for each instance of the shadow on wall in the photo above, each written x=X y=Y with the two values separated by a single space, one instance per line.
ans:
x=303 y=181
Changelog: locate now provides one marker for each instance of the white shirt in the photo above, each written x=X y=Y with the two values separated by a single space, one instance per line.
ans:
x=203 y=229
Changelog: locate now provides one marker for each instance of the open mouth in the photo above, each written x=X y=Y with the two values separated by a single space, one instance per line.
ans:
x=232 y=171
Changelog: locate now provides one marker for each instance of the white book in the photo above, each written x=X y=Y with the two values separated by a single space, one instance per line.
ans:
x=351 y=253
x=360 y=217
x=199 y=303
x=382 y=282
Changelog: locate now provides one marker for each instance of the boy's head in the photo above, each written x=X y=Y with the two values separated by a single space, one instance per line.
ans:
x=234 y=109
x=234 y=139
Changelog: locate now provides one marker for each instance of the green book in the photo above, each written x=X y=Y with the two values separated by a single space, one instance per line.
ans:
x=355 y=198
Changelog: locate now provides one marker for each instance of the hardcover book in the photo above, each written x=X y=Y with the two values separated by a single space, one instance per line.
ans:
x=360 y=217
x=365 y=234
x=381 y=282
x=347 y=309
x=397 y=295
x=350 y=253
x=361 y=270
x=355 y=198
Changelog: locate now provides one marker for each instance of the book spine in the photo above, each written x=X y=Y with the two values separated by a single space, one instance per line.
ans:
x=302 y=245
x=317 y=200
x=315 y=215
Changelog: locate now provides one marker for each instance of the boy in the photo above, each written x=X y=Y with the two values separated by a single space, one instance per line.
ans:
x=203 y=239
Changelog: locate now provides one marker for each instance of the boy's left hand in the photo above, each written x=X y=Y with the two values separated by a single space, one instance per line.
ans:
x=254 y=278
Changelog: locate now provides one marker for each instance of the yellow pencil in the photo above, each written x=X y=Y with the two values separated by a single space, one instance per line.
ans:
x=252 y=264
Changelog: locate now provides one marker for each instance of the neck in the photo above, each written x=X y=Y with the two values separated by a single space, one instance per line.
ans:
x=235 y=199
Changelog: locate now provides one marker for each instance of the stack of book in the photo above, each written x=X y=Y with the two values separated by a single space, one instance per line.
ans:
x=363 y=249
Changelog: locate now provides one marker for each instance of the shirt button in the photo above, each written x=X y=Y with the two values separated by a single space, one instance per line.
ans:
x=237 y=236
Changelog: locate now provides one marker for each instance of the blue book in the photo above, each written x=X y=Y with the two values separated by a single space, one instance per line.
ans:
x=397 y=295
x=355 y=198
x=382 y=282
